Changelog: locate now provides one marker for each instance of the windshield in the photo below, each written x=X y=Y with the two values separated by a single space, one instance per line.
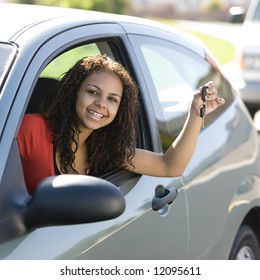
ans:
x=256 y=16
x=7 y=55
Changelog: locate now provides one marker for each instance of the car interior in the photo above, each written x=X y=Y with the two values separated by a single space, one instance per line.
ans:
x=43 y=89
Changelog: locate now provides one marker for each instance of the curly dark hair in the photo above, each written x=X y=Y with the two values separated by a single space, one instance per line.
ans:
x=109 y=147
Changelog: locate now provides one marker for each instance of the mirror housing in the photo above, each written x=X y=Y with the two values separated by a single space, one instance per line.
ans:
x=60 y=200
x=73 y=199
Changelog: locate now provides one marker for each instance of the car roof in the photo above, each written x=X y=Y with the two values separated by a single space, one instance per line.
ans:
x=13 y=17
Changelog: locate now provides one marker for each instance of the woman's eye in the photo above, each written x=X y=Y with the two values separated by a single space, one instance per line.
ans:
x=92 y=92
x=112 y=99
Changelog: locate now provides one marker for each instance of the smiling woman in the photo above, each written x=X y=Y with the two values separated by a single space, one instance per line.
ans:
x=95 y=98
x=89 y=127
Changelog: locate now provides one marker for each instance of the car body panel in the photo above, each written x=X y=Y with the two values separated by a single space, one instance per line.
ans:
x=85 y=240
x=223 y=180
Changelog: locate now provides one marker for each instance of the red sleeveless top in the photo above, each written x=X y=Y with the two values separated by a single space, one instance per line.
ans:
x=36 y=149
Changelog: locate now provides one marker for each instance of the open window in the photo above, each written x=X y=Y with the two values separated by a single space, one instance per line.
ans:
x=50 y=76
x=49 y=79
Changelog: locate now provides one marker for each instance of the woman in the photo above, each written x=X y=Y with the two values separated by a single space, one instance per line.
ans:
x=89 y=127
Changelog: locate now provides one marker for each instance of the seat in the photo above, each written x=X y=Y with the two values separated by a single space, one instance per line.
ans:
x=43 y=89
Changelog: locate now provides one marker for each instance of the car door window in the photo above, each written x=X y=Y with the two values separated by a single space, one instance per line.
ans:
x=54 y=71
x=65 y=61
x=175 y=74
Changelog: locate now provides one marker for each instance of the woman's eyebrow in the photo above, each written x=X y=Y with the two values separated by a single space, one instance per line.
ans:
x=116 y=94
x=112 y=93
x=92 y=85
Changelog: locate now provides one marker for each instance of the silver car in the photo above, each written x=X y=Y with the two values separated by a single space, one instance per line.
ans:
x=211 y=212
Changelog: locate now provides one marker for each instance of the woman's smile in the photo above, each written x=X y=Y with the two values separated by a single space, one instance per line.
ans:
x=95 y=114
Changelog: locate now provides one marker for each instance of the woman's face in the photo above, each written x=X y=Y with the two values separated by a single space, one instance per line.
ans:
x=98 y=100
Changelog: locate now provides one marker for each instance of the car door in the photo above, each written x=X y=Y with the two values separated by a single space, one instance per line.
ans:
x=140 y=232
x=221 y=167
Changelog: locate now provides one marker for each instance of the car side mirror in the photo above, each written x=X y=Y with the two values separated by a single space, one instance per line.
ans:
x=73 y=199
x=61 y=200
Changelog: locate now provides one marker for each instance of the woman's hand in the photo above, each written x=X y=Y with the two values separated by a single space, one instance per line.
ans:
x=213 y=101
x=177 y=157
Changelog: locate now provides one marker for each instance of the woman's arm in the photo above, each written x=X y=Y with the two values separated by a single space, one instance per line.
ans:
x=177 y=157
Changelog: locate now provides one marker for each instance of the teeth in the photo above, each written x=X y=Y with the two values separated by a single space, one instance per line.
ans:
x=96 y=114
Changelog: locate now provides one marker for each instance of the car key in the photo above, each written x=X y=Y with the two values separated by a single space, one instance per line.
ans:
x=202 y=113
x=203 y=106
x=204 y=93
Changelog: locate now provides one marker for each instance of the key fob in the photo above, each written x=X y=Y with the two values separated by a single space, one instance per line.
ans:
x=202 y=110
x=203 y=93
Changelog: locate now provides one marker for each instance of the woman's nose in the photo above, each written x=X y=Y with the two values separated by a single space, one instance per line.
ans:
x=101 y=103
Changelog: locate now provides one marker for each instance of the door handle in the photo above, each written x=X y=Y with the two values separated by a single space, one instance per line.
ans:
x=163 y=197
